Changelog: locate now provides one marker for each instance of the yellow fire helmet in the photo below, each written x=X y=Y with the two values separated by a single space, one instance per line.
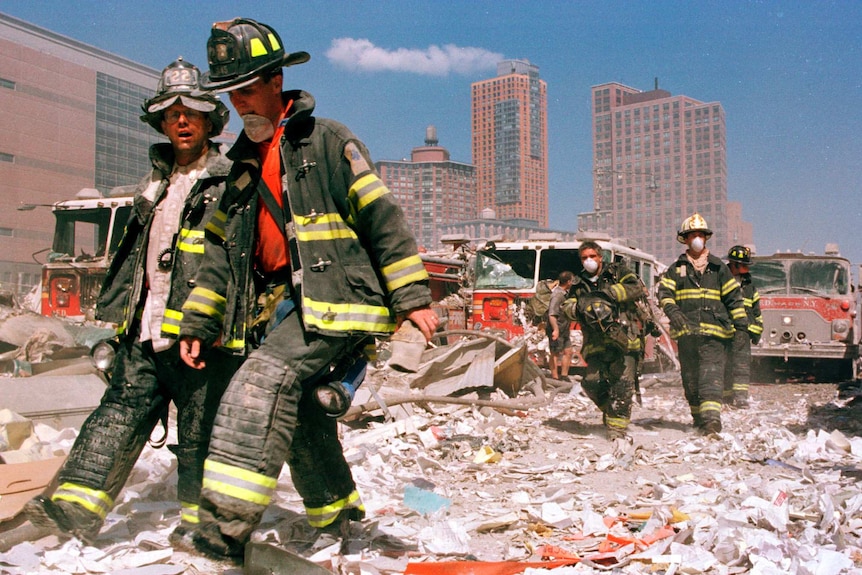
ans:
x=693 y=223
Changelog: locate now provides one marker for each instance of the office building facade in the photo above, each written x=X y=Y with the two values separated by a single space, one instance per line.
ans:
x=510 y=143
x=657 y=159
x=432 y=189
x=69 y=119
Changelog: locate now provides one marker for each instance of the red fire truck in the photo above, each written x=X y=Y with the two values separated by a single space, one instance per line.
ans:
x=811 y=317
x=87 y=232
x=505 y=276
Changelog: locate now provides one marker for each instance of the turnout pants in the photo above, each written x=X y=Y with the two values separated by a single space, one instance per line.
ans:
x=112 y=437
x=609 y=382
x=264 y=420
x=702 y=361
x=737 y=372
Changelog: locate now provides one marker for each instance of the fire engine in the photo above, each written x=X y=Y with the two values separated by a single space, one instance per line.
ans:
x=502 y=276
x=811 y=316
x=87 y=232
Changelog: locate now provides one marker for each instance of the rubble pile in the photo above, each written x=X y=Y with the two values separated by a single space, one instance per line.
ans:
x=468 y=488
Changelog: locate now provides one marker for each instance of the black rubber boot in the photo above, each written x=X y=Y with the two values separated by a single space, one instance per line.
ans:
x=63 y=518
x=209 y=541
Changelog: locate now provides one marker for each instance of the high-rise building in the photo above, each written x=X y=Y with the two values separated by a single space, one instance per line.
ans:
x=657 y=159
x=431 y=189
x=69 y=119
x=510 y=143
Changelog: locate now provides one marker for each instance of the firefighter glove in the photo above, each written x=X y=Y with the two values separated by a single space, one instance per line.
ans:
x=678 y=321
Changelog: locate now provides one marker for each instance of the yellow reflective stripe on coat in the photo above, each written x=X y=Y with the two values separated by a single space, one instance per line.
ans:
x=206 y=302
x=189 y=512
x=367 y=189
x=403 y=272
x=322 y=516
x=238 y=483
x=738 y=313
x=668 y=283
x=191 y=241
x=698 y=293
x=93 y=500
x=755 y=328
x=716 y=331
x=619 y=292
x=321 y=227
x=346 y=316
x=216 y=224
x=729 y=286
x=171 y=322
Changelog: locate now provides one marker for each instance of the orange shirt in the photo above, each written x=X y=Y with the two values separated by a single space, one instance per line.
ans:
x=270 y=248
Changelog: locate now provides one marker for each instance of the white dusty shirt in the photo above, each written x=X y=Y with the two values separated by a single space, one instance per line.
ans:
x=163 y=232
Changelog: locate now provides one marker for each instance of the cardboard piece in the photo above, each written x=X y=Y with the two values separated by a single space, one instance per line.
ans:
x=20 y=482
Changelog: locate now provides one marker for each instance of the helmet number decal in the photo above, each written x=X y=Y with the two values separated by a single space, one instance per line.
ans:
x=179 y=77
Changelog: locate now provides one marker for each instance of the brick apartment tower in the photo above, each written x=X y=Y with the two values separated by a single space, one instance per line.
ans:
x=510 y=143
x=432 y=190
x=657 y=159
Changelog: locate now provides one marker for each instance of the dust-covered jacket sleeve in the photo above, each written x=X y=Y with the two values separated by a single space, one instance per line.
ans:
x=731 y=297
x=383 y=230
x=204 y=310
x=627 y=287
x=666 y=292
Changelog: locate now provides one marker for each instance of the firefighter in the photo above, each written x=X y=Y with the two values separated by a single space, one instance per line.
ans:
x=737 y=374
x=603 y=303
x=558 y=329
x=703 y=303
x=146 y=284
x=307 y=220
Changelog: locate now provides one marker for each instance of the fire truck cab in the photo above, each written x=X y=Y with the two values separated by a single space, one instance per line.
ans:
x=87 y=233
x=811 y=316
x=506 y=274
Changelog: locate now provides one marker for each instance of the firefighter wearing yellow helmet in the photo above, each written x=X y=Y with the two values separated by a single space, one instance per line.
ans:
x=143 y=292
x=703 y=303
x=737 y=374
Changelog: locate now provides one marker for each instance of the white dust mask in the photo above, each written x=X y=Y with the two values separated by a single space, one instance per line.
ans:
x=257 y=128
x=591 y=265
x=697 y=245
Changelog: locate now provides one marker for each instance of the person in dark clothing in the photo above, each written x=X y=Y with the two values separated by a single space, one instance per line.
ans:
x=306 y=220
x=603 y=303
x=148 y=281
x=703 y=303
x=737 y=374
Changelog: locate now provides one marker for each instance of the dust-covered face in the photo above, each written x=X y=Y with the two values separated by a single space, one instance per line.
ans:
x=188 y=130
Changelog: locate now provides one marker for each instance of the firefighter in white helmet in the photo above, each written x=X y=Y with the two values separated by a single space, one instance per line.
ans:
x=703 y=302
x=148 y=281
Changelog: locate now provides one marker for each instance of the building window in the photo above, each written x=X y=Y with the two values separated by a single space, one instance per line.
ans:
x=4 y=157
x=6 y=232
x=9 y=84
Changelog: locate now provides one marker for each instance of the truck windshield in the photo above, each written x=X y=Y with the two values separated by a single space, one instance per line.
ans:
x=513 y=269
x=810 y=277
x=819 y=277
x=84 y=235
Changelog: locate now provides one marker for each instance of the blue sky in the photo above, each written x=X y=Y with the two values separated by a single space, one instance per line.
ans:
x=788 y=74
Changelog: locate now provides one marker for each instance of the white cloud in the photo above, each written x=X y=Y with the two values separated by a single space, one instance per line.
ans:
x=360 y=53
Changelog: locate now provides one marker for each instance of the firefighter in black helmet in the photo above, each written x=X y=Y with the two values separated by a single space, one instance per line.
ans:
x=703 y=302
x=306 y=216
x=143 y=292
x=737 y=373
